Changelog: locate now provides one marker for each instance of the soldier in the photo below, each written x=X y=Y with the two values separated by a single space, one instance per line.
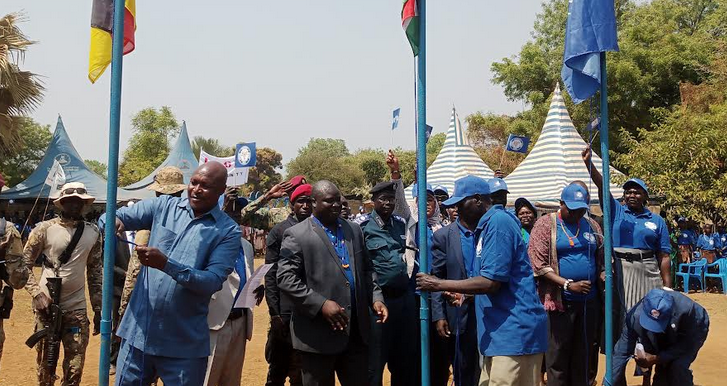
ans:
x=52 y=238
x=12 y=271
x=257 y=215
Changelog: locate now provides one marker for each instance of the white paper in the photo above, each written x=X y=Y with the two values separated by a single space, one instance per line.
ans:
x=247 y=297
x=235 y=176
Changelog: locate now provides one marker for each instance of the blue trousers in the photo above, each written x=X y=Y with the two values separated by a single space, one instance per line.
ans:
x=134 y=368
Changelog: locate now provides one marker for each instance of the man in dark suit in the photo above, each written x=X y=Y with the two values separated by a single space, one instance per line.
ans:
x=324 y=270
x=453 y=257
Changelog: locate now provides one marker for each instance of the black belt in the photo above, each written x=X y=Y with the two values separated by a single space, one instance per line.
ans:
x=632 y=256
x=236 y=314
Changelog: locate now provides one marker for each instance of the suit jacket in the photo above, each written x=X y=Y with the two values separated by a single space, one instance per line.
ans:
x=448 y=263
x=278 y=304
x=310 y=272
x=223 y=300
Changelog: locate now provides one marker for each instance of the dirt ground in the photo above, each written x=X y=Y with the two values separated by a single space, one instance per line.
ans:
x=18 y=362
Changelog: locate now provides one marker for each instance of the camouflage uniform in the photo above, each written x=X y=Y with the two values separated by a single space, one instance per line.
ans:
x=142 y=238
x=257 y=215
x=75 y=324
x=17 y=273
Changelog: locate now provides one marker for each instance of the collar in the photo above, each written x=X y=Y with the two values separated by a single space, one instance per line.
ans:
x=463 y=229
x=646 y=213
x=486 y=218
x=320 y=224
x=215 y=212
x=67 y=221
x=380 y=221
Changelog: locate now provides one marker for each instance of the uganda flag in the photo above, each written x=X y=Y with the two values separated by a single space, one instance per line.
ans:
x=410 y=23
x=102 y=21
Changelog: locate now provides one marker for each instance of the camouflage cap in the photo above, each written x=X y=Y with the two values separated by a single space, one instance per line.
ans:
x=168 y=180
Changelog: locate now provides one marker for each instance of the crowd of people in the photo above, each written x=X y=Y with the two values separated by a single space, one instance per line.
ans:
x=516 y=295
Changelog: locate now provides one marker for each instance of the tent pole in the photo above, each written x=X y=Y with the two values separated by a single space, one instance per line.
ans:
x=422 y=186
x=111 y=186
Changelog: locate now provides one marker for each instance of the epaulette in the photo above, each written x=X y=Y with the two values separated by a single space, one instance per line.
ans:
x=398 y=218
x=363 y=219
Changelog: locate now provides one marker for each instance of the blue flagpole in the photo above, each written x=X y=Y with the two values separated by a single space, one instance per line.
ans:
x=422 y=185
x=111 y=186
x=608 y=340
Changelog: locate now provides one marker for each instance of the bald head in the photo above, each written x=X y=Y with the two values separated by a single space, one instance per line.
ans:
x=215 y=170
x=327 y=206
x=206 y=186
x=324 y=187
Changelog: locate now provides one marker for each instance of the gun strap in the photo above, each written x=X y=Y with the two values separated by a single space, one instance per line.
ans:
x=66 y=255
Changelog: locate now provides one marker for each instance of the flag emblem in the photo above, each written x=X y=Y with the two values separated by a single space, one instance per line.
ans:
x=245 y=155
x=395 y=121
x=517 y=143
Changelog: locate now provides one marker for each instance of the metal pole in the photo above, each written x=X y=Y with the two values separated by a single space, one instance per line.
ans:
x=422 y=185
x=605 y=167
x=111 y=186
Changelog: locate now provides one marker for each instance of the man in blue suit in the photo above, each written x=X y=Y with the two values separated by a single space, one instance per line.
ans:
x=453 y=257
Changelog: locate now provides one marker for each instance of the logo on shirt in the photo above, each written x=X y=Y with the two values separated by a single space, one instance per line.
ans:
x=685 y=235
x=590 y=237
x=711 y=242
x=650 y=225
x=655 y=314
x=579 y=196
x=479 y=247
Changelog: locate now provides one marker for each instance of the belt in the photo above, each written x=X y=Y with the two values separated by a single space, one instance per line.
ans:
x=634 y=256
x=236 y=313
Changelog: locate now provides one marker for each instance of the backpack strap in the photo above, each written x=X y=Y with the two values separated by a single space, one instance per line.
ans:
x=66 y=255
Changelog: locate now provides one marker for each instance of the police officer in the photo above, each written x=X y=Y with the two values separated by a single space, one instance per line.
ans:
x=393 y=343
x=665 y=329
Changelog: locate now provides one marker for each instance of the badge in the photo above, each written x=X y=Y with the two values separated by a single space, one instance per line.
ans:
x=650 y=225
x=590 y=237
x=479 y=247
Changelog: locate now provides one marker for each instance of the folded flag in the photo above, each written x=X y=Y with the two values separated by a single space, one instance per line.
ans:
x=517 y=143
x=395 y=122
x=590 y=30
x=410 y=23
x=102 y=21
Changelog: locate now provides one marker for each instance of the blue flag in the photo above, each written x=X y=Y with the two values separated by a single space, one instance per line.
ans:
x=517 y=143
x=429 y=132
x=590 y=30
x=395 y=122
x=245 y=155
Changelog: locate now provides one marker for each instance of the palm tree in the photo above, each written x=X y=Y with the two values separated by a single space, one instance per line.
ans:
x=20 y=91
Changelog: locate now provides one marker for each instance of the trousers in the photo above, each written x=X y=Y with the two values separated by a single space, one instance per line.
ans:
x=74 y=325
x=571 y=336
x=521 y=370
x=283 y=360
x=227 y=353
x=350 y=366
x=395 y=343
x=134 y=368
x=465 y=359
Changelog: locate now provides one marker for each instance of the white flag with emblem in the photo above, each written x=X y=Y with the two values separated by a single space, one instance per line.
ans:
x=56 y=178
x=235 y=176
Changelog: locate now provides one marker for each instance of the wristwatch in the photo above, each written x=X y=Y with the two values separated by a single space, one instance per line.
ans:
x=566 y=285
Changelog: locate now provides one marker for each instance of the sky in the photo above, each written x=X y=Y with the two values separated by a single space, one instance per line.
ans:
x=276 y=73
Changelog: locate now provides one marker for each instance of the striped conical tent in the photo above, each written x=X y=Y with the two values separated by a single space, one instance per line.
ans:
x=456 y=159
x=554 y=161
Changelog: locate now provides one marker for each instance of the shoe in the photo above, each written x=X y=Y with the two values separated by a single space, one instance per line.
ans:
x=112 y=370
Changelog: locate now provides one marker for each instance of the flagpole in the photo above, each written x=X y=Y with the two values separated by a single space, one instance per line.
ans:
x=422 y=186
x=606 y=204
x=111 y=186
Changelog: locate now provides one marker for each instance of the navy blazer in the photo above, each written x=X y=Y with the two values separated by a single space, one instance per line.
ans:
x=448 y=263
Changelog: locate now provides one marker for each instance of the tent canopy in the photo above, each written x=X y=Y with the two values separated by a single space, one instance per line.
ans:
x=555 y=161
x=457 y=159
x=181 y=156
x=61 y=148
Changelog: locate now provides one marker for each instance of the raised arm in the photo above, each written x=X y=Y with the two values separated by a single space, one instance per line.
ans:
x=595 y=174
x=256 y=214
x=401 y=207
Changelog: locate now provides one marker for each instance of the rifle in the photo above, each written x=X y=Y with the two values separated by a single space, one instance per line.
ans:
x=51 y=333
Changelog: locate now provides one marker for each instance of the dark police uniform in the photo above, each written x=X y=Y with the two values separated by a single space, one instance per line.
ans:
x=394 y=342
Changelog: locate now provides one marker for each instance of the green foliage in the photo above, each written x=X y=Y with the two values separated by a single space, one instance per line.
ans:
x=327 y=159
x=36 y=138
x=212 y=146
x=265 y=174
x=149 y=145
x=97 y=167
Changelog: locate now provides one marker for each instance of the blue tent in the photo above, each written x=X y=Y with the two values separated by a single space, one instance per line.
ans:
x=181 y=156
x=61 y=149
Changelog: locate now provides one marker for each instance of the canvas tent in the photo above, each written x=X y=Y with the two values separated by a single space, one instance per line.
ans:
x=61 y=149
x=555 y=161
x=181 y=156
x=456 y=159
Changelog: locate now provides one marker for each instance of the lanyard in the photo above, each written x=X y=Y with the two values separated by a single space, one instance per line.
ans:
x=562 y=226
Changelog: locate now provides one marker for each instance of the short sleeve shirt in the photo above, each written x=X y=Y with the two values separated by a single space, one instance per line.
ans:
x=686 y=237
x=645 y=230
x=576 y=261
x=709 y=242
x=512 y=320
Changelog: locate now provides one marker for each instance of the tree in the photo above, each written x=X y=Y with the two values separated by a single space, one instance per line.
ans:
x=149 y=145
x=211 y=146
x=22 y=163
x=97 y=167
x=328 y=159
x=20 y=91
x=264 y=175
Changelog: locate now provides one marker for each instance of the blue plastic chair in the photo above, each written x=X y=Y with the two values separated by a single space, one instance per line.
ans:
x=721 y=274
x=689 y=271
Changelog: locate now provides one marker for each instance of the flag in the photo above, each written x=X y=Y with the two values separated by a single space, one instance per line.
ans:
x=235 y=176
x=395 y=122
x=429 y=132
x=410 y=23
x=517 y=143
x=245 y=155
x=590 y=30
x=56 y=178
x=102 y=16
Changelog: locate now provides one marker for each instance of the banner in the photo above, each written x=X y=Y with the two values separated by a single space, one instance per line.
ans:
x=235 y=176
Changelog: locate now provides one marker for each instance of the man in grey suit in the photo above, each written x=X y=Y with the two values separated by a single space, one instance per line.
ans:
x=325 y=271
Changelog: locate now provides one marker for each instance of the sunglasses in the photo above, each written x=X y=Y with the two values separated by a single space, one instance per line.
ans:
x=74 y=190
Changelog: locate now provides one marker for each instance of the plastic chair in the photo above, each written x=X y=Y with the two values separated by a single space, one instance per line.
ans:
x=695 y=270
x=721 y=274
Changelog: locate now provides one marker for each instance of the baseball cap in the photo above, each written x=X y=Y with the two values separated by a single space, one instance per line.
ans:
x=466 y=187
x=635 y=181
x=656 y=310
x=574 y=197
x=497 y=184
x=440 y=188
x=414 y=191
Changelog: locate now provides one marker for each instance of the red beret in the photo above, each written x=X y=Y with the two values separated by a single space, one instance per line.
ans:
x=303 y=190
x=296 y=181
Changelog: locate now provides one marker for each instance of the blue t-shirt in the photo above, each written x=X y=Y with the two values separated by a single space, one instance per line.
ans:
x=467 y=240
x=576 y=262
x=645 y=230
x=512 y=320
x=709 y=242
x=686 y=237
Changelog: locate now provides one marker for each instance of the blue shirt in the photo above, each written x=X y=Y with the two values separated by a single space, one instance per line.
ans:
x=167 y=313
x=512 y=320
x=339 y=244
x=467 y=240
x=686 y=237
x=709 y=242
x=645 y=230
x=576 y=262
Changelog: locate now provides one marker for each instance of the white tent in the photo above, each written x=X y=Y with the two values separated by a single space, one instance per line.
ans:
x=555 y=161
x=456 y=159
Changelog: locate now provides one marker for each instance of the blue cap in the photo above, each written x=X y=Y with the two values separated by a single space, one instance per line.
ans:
x=657 y=308
x=415 y=187
x=574 y=197
x=441 y=188
x=497 y=184
x=635 y=181
x=466 y=187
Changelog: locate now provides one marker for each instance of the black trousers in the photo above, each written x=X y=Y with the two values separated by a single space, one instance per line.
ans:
x=571 y=337
x=351 y=366
x=465 y=357
x=115 y=340
x=283 y=360
x=395 y=344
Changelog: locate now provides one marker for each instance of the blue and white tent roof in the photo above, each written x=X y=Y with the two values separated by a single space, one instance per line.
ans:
x=456 y=159
x=555 y=161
